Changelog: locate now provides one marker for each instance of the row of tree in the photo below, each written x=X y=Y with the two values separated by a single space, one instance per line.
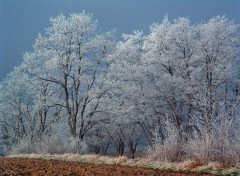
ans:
x=87 y=86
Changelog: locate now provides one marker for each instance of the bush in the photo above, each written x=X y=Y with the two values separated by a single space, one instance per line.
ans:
x=170 y=152
x=171 y=149
x=222 y=146
x=52 y=145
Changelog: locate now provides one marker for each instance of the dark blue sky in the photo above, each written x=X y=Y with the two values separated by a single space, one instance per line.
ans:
x=22 y=20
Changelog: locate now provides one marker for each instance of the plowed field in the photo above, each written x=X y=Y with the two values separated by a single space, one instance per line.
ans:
x=20 y=166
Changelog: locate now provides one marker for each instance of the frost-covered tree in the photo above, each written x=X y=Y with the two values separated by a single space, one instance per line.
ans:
x=17 y=120
x=168 y=58
x=186 y=66
x=62 y=79
x=26 y=109
x=217 y=48
x=75 y=62
x=126 y=94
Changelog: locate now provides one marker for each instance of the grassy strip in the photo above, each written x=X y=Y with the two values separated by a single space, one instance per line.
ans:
x=213 y=168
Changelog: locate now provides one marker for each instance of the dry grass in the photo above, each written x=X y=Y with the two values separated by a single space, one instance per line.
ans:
x=121 y=160
x=188 y=165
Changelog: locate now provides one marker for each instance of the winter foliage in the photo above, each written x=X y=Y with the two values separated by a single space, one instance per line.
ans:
x=175 y=90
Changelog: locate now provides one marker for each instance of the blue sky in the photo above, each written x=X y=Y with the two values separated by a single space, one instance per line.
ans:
x=22 y=20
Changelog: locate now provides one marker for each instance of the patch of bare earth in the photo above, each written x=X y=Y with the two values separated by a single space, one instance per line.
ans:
x=26 y=166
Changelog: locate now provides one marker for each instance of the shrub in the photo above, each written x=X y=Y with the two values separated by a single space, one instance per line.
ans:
x=52 y=145
x=222 y=146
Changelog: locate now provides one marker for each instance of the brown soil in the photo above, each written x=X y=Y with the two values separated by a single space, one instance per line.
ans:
x=20 y=166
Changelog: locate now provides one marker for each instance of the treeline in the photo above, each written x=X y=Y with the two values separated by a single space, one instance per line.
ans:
x=177 y=88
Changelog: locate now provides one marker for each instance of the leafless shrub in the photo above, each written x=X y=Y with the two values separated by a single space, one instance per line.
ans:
x=50 y=145
x=168 y=152
x=222 y=146
x=171 y=149
x=24 y=146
